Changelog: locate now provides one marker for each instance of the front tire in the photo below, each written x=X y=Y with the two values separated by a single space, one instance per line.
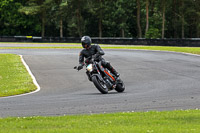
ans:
x=101 y=86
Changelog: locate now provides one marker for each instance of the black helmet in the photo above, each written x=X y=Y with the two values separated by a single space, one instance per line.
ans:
x=86 y=41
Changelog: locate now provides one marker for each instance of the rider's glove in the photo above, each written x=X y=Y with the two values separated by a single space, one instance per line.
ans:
x=80 y=67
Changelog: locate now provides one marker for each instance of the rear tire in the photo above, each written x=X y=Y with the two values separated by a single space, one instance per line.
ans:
x=100 y=85
x=120 y=87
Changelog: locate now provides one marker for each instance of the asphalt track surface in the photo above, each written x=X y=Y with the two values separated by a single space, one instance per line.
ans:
x=153 y=80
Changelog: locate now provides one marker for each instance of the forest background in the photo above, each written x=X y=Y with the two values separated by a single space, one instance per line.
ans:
x=101 y=18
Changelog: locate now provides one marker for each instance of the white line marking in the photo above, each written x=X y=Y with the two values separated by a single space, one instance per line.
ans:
x=32 y=76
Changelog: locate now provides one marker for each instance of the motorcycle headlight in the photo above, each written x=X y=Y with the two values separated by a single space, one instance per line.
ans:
x=90 y=67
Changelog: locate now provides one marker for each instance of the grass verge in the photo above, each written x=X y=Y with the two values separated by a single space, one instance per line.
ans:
x=14 y=78
x=138 y=122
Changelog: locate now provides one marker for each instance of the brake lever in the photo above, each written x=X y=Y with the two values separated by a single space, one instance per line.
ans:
x=75 y=67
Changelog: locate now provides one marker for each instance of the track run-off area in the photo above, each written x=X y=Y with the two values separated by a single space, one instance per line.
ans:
x=154 y=80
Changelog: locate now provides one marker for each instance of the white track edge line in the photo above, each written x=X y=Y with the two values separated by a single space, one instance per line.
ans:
x=33 y=78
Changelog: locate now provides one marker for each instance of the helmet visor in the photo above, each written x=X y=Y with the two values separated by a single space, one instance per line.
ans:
x=84 y=45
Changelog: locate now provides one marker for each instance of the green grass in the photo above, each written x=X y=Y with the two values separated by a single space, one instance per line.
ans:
x=14 y=78
x=187 y=121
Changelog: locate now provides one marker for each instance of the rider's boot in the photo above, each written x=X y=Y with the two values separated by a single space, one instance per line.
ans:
x=108 y=65
x=115 y=72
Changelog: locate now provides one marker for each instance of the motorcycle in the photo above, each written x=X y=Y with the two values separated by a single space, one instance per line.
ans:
x=103 y=79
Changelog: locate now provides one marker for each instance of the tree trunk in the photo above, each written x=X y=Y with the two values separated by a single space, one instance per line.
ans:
x=100 y=19
x=100 y=28
x=182 y=21
x=61 y=28
x=58 y=2
x=183 y=27
x=198 y=27
x=78 y=14
x=43 y=24
x=163 y=20
x=123 y=33
x=42 y=17
x=174 y=18
x=79 y=23
x=138 y=20
x=147 y=16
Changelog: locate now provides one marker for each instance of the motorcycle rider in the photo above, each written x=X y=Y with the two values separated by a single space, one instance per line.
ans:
x=94 y=51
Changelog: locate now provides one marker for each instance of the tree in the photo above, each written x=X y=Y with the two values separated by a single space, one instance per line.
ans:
x=76 y=21
x=62 y=4
x=138 y=19
x=163 y=17
x=40 y=8
x=147 y=16
x=121 y=14
x=197 y=8
x=174 y=19
x=13 y=23
x=96 y=9
x=102 y=18
x=57 y=13
x=182 y=19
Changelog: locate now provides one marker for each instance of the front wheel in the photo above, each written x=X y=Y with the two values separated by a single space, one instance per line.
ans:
x=101 y=86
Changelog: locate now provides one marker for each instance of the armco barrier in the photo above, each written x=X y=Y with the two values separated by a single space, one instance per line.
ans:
x=189 y=42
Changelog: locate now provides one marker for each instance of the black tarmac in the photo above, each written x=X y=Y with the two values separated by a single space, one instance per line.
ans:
x=154 y=81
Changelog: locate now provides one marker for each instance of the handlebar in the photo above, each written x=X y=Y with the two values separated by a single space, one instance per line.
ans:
x=90 y=59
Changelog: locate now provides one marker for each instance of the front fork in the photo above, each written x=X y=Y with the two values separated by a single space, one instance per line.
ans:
x=89 y=76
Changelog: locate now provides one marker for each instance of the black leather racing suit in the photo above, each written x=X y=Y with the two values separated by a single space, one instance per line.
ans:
x=95 y=49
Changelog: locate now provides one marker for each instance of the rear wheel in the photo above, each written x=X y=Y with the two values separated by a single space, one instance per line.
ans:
x=101 y=86
x=120 y=86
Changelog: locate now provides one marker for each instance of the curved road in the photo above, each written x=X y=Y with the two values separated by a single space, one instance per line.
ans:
x=154 y=81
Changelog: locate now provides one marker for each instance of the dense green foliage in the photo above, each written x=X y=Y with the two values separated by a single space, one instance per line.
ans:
x=101 y=18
